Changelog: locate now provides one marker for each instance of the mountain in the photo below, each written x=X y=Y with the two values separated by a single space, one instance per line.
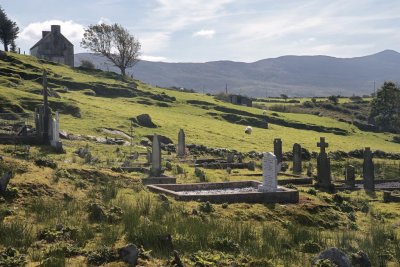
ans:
x=292 y=75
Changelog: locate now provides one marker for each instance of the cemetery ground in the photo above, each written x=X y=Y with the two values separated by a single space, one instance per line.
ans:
x=61 y=209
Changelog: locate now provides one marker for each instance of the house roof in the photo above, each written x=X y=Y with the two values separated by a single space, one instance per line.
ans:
x=48 y=36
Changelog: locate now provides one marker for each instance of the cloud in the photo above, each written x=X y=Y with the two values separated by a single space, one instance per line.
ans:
x=205 y=33
x=154 y=42
x=153 y=58
x=33 y=32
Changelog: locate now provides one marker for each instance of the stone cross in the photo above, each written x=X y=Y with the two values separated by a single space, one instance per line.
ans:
x=324 y=179
x=181 y=144
x=350 y=175
x=322 y=145
x=368 y=171
x=156 y=167
x=270 y=172
x=297 y=167
x=46 y=110
x=278 y=149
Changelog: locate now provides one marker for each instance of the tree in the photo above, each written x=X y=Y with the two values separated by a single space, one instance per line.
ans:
x=385 y=107
x=8 y=30
x=285 y=97
x=114 y=42
x=334 y=99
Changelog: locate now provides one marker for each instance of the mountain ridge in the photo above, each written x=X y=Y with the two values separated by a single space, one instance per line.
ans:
x=315 y=75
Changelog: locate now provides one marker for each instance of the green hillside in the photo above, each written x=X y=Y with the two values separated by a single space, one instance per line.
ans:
x=72 y=210
x=204 y=123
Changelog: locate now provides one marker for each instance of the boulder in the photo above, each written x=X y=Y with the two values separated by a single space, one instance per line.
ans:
x=360 y=259
x=4 y=180
x=129 y=254
x=334 y=255
x=144 y=120
x=162 y=138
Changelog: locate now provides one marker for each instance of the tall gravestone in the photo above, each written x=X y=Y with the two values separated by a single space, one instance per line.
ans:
x=156 y=168
x=270 y=172
x=350 y=174
x=368 y=171
x=278 y=149
x=54 y=131
x=181 y=144
x=324 y=167
x=297 y=164
x=45 y=112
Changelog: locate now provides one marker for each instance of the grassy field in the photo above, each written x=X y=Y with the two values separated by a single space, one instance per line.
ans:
x=72 y=212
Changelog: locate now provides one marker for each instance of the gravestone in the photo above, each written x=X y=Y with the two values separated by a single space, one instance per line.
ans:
x=4 y=182
x=278 y=149
x=55 y=133
x=324 y=167
x=368 y=171
x=230 y=157
x=156 y=170
x=181 y=144
x=270 y=172
x=350 y=175
x=297 y=167
x=309 y=169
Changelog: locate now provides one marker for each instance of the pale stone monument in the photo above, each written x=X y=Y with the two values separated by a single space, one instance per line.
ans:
x=55 y=133
x=156 y=170
x=270 y=172
x=181 y=151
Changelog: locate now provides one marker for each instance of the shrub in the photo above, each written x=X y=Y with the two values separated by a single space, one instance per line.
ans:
x=206 y=207
x=87 y=64
x=310 y=247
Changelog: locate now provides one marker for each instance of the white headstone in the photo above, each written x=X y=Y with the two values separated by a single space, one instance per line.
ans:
x=270 y=172
x=54 y=130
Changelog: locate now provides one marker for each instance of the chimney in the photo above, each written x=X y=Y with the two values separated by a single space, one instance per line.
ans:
x=55 y=29
x=44 y=33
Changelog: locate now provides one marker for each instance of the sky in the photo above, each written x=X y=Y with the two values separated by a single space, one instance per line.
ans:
x=210 y=30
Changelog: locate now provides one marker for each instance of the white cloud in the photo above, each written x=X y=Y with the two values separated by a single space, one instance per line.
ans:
x=153 y=58
x=154 y=42
x=205 y=33
x=33 y=32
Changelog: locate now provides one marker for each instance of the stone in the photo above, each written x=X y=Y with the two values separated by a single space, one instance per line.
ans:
x=309 y=169
x=368 y=171
x=360 y=259
x=4 y=180
x=350 y=175
x=335 y=255
x=270 y=171
x=297 y=167
x=54 y=132
x=181 y=150
x=156 y=168
x=230 y=157
x=278 y=149
x=324 y=179
x=144 y=120
x=129 y=254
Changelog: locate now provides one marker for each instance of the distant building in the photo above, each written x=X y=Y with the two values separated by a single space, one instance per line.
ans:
x=54 y=47
x=240 y=100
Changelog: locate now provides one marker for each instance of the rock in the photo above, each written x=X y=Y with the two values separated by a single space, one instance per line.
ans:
x=129 y=254
x=164 y=140
x=4 y=182
x=335 y=255
x=145 y=121
x=360 y=259
x=64 y=135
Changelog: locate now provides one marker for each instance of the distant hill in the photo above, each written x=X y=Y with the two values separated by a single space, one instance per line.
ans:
x=292 y=75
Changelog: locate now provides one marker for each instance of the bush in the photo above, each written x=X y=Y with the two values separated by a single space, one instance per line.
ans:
x=87 y=64
x=206 y=207
x=310 y=247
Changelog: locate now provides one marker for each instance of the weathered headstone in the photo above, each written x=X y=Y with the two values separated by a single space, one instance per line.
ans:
x=368 y=171
x=324 y=167
x=270 y=171
x=350 y=175
x=156 y=170
x=230 y=157
x=55 y=133
x=309 y=169
x=297 y=167
x=4 y=180
x=181 y=151
x=278 y=149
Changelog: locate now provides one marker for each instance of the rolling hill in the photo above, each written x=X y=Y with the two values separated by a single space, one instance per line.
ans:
x=292 y=75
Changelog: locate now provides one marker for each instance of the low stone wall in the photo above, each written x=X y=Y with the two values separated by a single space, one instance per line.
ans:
x=284 y=196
